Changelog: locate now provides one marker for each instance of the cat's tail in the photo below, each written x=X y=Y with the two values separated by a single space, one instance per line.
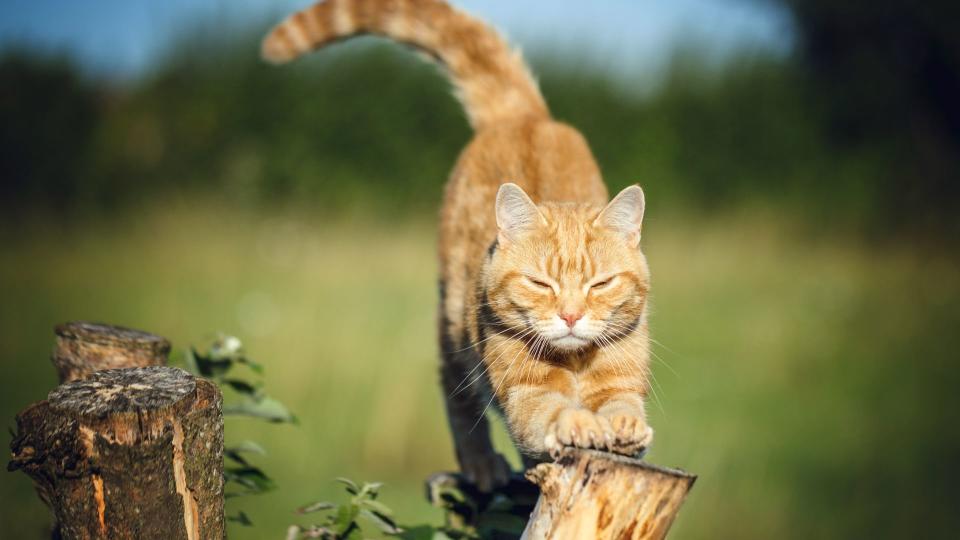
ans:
x=491 y=80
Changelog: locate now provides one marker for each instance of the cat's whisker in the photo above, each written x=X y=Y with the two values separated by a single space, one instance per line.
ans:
x=622 y=327
x=649 y=376
x=524 y=360
x=511 y=328
x=502 y=347
x=480 y=362
x=664 y=362
x=616 y=365
x=538 y=345
x=493 y=395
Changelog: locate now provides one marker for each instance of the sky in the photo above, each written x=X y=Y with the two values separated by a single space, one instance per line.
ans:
x=124 y=38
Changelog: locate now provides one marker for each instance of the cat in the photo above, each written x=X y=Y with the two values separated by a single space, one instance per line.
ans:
x=543 y=286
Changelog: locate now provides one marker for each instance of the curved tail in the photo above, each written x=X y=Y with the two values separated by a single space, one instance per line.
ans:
x=490 y=79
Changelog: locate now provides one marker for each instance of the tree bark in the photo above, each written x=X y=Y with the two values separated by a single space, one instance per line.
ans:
x=83 y=348
x=128 y=453
x=592 y=494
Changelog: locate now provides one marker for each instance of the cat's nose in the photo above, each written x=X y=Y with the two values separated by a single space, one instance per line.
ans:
x=571 y=318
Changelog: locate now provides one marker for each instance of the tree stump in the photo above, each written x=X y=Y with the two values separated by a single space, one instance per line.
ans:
x=128 y=453
x=592 y=494
x=83 y=348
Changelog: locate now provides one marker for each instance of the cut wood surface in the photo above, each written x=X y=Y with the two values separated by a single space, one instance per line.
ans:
x=592 y=494
x=128 y=453
x=83 y=348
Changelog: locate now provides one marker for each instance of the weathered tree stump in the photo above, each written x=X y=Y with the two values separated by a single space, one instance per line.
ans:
x=83 y=348
x=591 y=494
x=128 y=453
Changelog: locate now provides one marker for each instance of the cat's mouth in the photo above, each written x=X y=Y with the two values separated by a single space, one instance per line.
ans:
x=569 y=342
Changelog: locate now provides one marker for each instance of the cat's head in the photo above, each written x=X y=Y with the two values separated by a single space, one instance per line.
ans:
x=567 y=276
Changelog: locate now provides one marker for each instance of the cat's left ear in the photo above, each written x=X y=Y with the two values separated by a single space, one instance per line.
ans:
x=624 y=214
x=516 y=213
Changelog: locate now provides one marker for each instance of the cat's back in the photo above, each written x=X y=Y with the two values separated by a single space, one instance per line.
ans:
x=550 y=160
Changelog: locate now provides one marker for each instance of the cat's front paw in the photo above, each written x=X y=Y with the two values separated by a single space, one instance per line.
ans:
x=580 y=428
x=486 y=470
x=631 y=434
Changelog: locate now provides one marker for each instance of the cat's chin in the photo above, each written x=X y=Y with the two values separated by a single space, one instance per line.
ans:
x=569 y=343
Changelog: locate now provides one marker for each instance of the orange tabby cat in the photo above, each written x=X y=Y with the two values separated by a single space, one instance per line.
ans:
x=543 y=288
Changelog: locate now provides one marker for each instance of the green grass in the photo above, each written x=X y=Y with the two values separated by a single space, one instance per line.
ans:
x=806 y=380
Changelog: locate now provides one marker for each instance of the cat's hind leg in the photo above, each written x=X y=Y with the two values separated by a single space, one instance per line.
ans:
x=461 y=375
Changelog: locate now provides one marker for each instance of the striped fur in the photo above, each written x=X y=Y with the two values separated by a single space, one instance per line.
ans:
x=491 y=81
x=584 y=386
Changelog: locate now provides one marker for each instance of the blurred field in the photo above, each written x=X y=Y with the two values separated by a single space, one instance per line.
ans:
x=807 y=379
x=802 y=229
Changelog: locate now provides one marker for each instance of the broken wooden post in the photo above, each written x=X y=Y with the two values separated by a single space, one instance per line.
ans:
x=592 y=494
x=128 y=453
x=83 y=348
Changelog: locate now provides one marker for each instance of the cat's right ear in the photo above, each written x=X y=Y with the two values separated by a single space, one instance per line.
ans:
x=624 y=214
x=516 y=213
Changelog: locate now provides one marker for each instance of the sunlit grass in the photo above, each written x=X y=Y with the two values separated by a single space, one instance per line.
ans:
x=778 y=352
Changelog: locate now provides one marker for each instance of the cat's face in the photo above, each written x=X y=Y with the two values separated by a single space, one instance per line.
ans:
x=568 y=276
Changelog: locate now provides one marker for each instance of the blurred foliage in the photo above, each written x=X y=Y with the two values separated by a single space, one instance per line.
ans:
x=224 y=354
x=343 y=521
x=887 y=77
x=851 y=131
x=48 y=117
x=241 y=476
x=469 y=514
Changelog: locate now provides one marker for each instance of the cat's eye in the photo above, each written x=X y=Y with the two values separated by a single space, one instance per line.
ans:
x=538 y=283
x=601 y=284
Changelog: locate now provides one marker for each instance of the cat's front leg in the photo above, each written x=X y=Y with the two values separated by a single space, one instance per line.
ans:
x=626 y=415
x=578 y=427
x=543 y=421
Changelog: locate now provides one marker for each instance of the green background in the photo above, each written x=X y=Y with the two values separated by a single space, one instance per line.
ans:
x=801 y=228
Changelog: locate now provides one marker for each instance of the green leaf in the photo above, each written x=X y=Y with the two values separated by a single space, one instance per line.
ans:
x=451 y=494
x=489 y=522
x=251 y=478
x=265 y=407
x=352 y=486
x=236 y=458
x=257 y=368
x=377 y=507
x=370 y=489
x=209 y=367
x=241 y=518
x=247 y=446
x=353 y=534
x=344 y=520
x=190 y=360
x=422 y=532
x=384 y=523
x=242 y=386
x=316 y=507
x=234 y=453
